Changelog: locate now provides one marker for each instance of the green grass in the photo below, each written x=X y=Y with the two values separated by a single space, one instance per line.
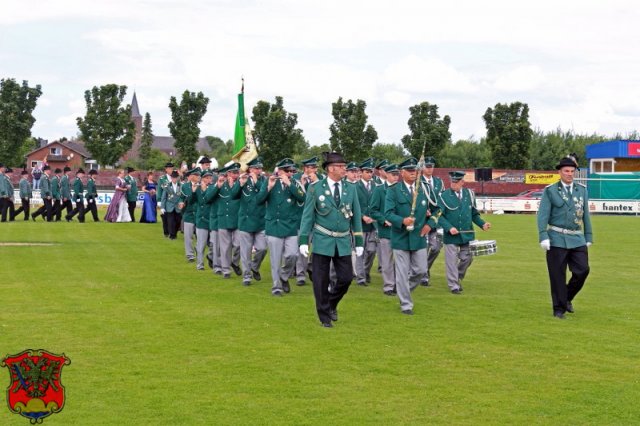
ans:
x=153 y=341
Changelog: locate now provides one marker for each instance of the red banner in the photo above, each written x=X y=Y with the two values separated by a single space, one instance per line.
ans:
x=634 y=149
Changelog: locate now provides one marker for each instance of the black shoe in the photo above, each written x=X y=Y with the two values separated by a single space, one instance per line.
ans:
x=425 y=283
x=327 y=325
x=333 y=314
x=570 y=308
x=390 y=293
x=368 y=279
x=67 y=218
x=256 y=275
x=191 y=260
x=461 y=289
x=285 y=285
x=226 y=276
x=246 y=283
x=363 y=284
x=559 y=315
x=300 y=283
x=217 y=272
x=236 y=269
x=33 y=218
x=276 y=293
x=310 y=275
x=210 y=262
x=456 y=291
x=408 y=312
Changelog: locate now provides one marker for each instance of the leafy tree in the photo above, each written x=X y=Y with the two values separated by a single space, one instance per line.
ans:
x=390 y=151
x=428 y=131
x=350 y=133
x=548 y=147
x=184 y=124
x=464 y=154
x=17 y=103
x=509 y=135
x=107 y=128
x=275 y=132
x=145 y=142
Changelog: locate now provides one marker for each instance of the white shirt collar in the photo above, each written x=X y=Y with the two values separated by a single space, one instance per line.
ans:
x=332 y=183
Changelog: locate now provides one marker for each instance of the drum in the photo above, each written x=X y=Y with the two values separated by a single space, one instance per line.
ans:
x=483 y=247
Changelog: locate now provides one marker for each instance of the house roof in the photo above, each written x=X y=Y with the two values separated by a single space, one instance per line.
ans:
x=74 y=146
x=135 y=111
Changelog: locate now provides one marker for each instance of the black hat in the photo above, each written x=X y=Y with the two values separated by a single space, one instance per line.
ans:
x=169 y=164
x=56 y=171
x=175 y=174
x=66 y=169
x=570 y=160
x=205 y=160
x=332 y=158
x=80 y=171
x=410 y=163
x=47 y=168
x=93 y=172
x=130 y=169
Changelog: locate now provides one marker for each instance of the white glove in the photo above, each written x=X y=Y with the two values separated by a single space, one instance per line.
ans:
x=545 y=244
x=304 y=250
x=162 y=211
x=589 y=244
x=359 y=251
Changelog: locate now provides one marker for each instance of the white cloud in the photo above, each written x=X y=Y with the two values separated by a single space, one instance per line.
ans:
x=426 y=75
x=521 y=79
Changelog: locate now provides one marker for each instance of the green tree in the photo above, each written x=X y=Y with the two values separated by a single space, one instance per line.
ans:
x=17 y=103
x=389 y=151
x=275 y=132
x=107 y=128
x=548 y=147
x=146 y=141
x=464 y=154
x=184 y=124
x=509 y=135
x=350 y=133
x=428 y=131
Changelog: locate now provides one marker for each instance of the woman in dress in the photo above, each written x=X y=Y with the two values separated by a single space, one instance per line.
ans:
x=149 y=204
x=118 y=210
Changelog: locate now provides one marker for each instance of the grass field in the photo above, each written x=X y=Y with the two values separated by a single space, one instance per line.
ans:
x=153 y=341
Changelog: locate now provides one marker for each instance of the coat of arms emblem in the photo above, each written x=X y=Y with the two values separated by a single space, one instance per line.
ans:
x=35 y=390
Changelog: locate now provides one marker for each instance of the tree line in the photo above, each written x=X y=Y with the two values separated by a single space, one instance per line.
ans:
x=108 y=133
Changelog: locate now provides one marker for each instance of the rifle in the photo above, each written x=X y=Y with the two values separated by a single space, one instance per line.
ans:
x=418 y=185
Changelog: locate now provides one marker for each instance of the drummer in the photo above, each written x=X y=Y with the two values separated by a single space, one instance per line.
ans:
x=458 y=214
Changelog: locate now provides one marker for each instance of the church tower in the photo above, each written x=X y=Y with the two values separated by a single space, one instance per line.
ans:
x=136 y=117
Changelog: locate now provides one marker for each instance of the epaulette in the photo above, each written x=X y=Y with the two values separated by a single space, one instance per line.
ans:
x=581 y=184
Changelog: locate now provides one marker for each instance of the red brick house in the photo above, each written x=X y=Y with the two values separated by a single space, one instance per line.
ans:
x=60 y=154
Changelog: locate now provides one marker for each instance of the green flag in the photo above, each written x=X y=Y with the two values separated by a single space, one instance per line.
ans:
x=239 y=137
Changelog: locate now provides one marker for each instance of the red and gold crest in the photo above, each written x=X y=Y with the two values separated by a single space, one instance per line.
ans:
x=35 y=391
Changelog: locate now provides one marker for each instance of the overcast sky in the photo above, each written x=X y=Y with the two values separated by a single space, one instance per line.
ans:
x=576 y=63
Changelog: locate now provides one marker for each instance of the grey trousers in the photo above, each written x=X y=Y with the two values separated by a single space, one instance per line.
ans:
x=214 y=250
x=411 y=265
x=202 y=241
x=303 y=264
x=435 y=244
x=249 y=240
x=283 y=253
x=229 y=249
x=457 y=260
x=385 y=259
x=365 y=262
x=189 y=230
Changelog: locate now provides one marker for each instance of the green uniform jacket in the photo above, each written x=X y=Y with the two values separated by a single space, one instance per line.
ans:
x=364 y=198
x=55 y=188
x=211 y=198
x=163 y=181
x=377 y=210
x=4 y=187
x=188 y=197
x=281 y=218
x=438 y=185
x=251 y=213
x=65 y=189
x=567 y=211
x=170 y=198
x=78 y=190
x=203 y=208
x=45 y=186
x=132 y=192
x=25 y=188
x=461 y=214
x=228 y=205
x=397 y=206
x=92 y=191
x=320 y=209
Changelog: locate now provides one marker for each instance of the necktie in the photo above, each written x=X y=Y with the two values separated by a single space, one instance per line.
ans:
x=459 y=193
x=369 y=186
x=568 y=188
x=411 y=190
x=336 y=193
x=430 y=181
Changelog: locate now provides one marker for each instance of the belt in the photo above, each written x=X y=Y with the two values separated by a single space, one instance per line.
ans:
x=325 y=231
x=565 y=231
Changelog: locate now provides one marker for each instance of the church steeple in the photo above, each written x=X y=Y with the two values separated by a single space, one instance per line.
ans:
x=135 y=111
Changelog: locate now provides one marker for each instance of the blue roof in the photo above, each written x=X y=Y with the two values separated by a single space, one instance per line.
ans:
x=610 y=149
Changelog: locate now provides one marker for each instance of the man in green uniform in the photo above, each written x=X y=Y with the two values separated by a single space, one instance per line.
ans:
x=203 y=212
x=65 y=194
x=210 y=197
x=228 y=205
x=78 y=197
x=132 y=192
x=25 y=196
x=6 y=194
x=379 y=174
x=458 y=214
x=383 y=226
x=163 y=183
x=45 y=192
x=169 y=204
x=188 y=205
x=280 y=193
x=564 y=231
x=251 y=222
x=332 y=214
x=365 y=188
x=92 y=195
x=411 y=215
x=434 y=187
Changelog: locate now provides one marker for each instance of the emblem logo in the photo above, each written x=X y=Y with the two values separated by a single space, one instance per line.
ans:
x=35 y=390
x=321 y=198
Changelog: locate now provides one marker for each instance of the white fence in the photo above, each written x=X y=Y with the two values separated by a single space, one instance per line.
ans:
x=511 y=205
